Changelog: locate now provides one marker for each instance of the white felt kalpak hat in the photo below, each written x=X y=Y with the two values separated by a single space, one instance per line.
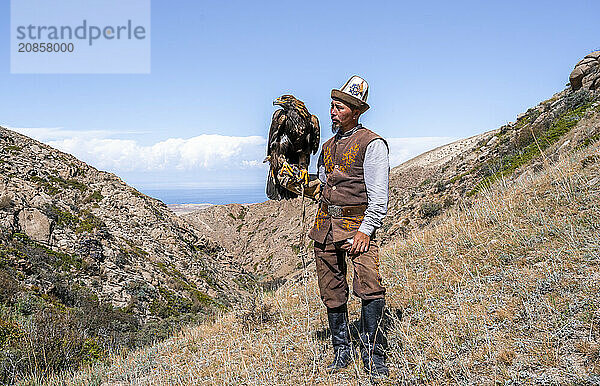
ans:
x=354 y=93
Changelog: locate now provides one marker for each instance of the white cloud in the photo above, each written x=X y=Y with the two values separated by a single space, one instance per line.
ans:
x=403 y=149
x=206 y=152
x=203 y=152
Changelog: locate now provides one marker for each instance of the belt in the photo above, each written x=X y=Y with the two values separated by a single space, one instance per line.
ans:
x=343 y=211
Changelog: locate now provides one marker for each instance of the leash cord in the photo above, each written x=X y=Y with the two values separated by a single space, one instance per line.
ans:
x=304 y=254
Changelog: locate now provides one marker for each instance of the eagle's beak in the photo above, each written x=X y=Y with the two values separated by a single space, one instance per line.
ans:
x=277 y=102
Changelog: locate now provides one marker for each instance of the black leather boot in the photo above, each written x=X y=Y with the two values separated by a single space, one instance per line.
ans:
x=374 y=342
x=340 y=337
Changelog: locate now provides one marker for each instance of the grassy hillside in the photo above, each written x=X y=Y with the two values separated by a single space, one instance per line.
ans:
x=505 y=288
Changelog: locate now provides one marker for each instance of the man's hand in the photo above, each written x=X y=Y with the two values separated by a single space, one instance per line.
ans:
x=360 y=244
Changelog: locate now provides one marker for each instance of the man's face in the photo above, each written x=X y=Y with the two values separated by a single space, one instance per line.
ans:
x=342 y=115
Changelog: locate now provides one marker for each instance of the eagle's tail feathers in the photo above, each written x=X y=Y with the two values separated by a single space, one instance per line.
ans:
x=272 y=188
x=275 y=191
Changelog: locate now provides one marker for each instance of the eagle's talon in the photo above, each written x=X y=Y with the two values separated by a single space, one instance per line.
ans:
x=304 y=177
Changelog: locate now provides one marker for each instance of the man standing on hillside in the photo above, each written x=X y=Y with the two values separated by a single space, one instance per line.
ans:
x=354 y=171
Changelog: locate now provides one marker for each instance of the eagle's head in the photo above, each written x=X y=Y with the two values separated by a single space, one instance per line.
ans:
x=286 y=101
x=289 y=102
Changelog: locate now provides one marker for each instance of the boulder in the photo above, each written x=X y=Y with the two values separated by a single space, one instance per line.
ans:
x=35 y=224
x=586 y=73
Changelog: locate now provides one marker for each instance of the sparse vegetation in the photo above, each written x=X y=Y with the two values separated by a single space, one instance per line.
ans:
x=15 y=149
x=448 y=202
x=42 y=333
x=81 y=294
x=243 y=212
x=96 y=196
x=257 y=312
x=53 y=185
x=296 y=249
x=439 y=186
x=430 y=209
x=460 y=176
x=588 y=141
x=171 y=304
x=537 y=143
x=49 y=332
x=47 y=186
x=25 y=247
x=62 y=218
x=68 y=184
x=137 y=194
x=88 y=223
x=135 y=250
x=426 y=182
x=84 y=222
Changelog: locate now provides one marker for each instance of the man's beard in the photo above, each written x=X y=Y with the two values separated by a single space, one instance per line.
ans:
x=335 y=126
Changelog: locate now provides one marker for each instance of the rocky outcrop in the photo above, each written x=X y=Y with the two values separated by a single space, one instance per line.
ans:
x=126 y=248
x=586 y=73
x=264 y=237
x=35 y=224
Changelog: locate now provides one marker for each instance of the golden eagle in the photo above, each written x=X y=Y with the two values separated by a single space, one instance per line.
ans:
x=293 y=136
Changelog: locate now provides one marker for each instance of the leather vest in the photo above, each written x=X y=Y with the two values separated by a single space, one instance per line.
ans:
x=343 y=158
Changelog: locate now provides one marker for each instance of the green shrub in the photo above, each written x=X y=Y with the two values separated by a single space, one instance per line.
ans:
x=95 y=196
x=10 y=333
x=430 y=209
x=169 y=304
x=92 y=350
x=60 y=217
x=88 y=223
x=13 y=148
x=54 y=339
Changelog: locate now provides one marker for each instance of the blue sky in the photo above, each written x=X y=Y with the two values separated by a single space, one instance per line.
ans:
x=438 y=71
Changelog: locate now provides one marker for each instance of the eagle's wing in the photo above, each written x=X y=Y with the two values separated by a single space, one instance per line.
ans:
x=315 y=134
x=277 y=122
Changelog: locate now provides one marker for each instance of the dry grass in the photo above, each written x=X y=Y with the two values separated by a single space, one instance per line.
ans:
x=505 y=290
